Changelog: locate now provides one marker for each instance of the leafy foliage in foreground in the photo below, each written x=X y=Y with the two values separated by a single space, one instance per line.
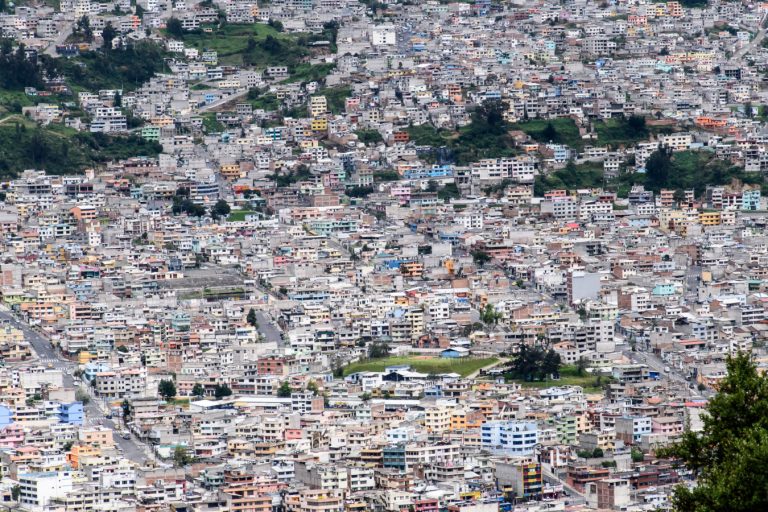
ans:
x=730 y=456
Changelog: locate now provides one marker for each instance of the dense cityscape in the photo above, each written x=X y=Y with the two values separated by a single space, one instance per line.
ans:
x=407 y=256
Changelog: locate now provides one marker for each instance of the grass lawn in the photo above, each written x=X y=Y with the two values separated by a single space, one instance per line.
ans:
x=11 y=101
x=238 y=215
x=566 y=131
x=266 y=101
x=586 y=175
x=469 y=144
x=463 y=366
x=617 y=132
x=211 y=124
x=568 y=377
x=306 y=72
x=336 y=97
x=229 y=40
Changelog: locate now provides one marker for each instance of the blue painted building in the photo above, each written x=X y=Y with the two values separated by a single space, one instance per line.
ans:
x=394 y=457
x=664 y=289
x=91 y=369
x=6 y=416
x=750 y=199
x=71 y=413
x=455 y=352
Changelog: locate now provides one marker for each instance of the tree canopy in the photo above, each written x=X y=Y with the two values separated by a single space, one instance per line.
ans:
x=222 y=391
x=251 y=318
x=284 y=391
x=198 y=390
x=535 y=363
x=378 y=349
x=166 y=389
x=220 y=209
x=730 y=455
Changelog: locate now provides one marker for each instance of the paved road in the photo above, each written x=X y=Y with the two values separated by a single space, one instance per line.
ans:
x=754 y=43
x=131 y=448
x=40 y=344
x=95 y=413
x=268 y=328
x=674 y=377
x=475 y=373
x=223 y=101
x=62 y=36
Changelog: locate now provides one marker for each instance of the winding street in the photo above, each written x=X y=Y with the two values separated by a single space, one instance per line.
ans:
x=95 y=411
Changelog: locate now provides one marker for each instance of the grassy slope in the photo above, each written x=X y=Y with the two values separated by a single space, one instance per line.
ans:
x=568 y=132
x=568 y=377
x=463 y=366
x=586 y=175
x=61 y=150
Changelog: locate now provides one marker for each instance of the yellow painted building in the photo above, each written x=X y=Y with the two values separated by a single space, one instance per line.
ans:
x=709 y=218
x=319 y=124
x=318 y=106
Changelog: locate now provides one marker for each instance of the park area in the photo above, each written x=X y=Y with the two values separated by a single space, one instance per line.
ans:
x=424 y=364
x=569 y=376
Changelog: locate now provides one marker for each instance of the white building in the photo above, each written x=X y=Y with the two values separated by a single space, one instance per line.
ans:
x=38 y=489
x=510 y=437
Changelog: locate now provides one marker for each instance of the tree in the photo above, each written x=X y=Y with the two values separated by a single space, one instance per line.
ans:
x=220 y=209
x=312 y=387
x=83 y=27
x=657 y=169
x=637 y=123
x=359 y=191
x=489 y=315
x=378 y=350
x=186 y=205
x=480 y=257
x=82 y=396
x=535 y=363
x=174 y=27
x=166 y=389
x=489 y=117
x=250 y=45
x=679 y=196
x=284 y=391
x=550 y=133
x=180 y=457
x=251 y=318
x=198 y=390
x=637 y=455
x=597 y=452
x=729 y=457
x=272 y=45
x=127 y=410
x=276 y=24
x=222 y=391
x=108 y=34
x=15 y=492
x=581 y=366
